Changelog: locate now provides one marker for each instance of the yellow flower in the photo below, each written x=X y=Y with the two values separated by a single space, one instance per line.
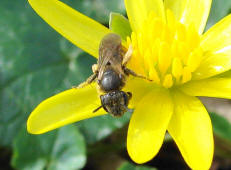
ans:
x=169 y=48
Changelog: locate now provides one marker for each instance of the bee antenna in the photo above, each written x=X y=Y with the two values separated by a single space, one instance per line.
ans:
x=97 y=109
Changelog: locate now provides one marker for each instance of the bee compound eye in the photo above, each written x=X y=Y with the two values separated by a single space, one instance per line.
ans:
x=104 y=101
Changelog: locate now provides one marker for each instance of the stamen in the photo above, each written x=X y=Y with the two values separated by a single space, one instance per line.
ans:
x=186 y=75
x=164 y=58
x=177 y=68
x=168 y=82
x=165 y=51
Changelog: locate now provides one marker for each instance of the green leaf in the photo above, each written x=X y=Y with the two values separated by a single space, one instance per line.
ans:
x=221 y=127
x=35 y=63
x=98 y=128
x=220 y=8
x=97 y=9
x=222 y=134
x=130 y=166
x=120 y=25
x=58 y=150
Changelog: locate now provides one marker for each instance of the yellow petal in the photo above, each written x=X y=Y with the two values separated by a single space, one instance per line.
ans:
x=191 y=129
x=190 y=12
x=139 y=10
x=148 y=125
x=64 y=108
x=139 y=88
x=77 y=28
x=216 y=43
x=211 y=87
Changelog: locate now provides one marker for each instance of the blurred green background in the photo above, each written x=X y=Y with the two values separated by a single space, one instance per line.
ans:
x=36 y=62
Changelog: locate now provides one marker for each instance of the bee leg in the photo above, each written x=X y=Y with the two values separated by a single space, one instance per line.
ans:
x=130 y=72
x=128 y=55
x=88 y=81
x=94 y=68
x=129 y=95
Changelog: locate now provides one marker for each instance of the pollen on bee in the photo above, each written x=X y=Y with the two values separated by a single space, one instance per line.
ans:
x=165 y=51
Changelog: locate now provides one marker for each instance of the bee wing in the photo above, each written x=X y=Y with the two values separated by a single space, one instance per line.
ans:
x=108 y=47
x=116 y=64
x=114 y=60
x=110 y=52
x=104 y=57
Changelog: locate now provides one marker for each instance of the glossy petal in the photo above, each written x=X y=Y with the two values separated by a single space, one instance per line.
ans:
x=190 y=12
x=148 y=125
x=139 y=88
x=216 y=43
x=139 y=10
x=64 y=108
x=211 y=87
x=77 y=28
x=191 y=129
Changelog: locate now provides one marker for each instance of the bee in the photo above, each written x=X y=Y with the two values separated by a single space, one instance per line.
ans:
x=110 y=73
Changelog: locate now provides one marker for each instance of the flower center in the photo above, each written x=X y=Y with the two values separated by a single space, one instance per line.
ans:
x=166 y=52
